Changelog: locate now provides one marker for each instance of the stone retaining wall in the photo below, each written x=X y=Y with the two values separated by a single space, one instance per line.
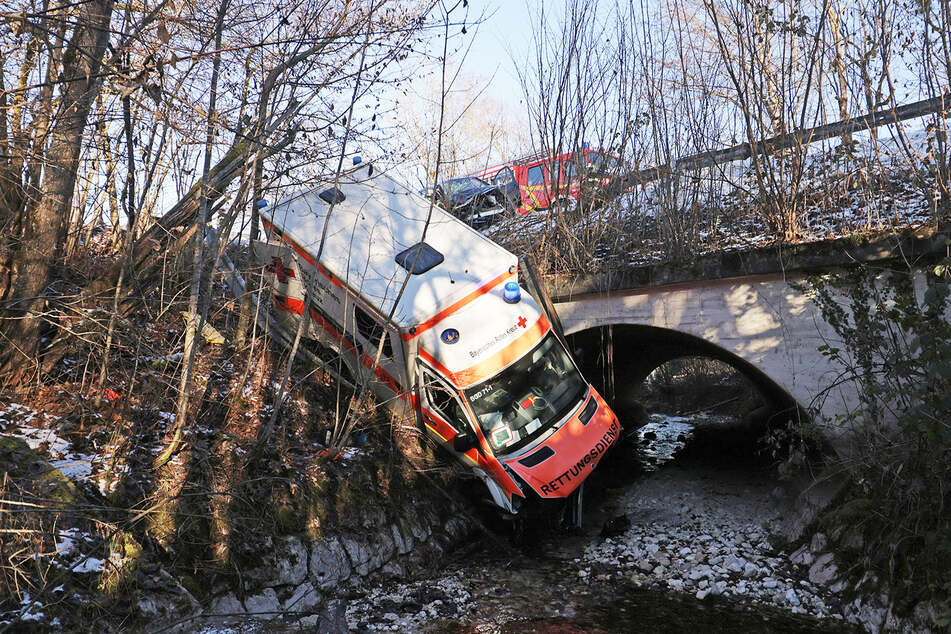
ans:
x=300 y=577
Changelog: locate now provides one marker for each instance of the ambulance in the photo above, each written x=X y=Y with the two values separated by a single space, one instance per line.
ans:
x=431 y=315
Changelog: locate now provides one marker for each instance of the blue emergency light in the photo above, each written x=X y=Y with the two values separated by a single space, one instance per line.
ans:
x=357 y=159
x=261 y=204
x=512 y=293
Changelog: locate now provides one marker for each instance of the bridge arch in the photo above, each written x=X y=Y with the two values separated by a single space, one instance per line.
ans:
x=755 y=310
x=620 y=356
x=764 y=325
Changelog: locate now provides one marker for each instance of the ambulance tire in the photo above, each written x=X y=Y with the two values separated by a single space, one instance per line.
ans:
x=518 y=529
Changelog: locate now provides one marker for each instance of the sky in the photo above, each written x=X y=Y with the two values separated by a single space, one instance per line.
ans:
x=503 y=34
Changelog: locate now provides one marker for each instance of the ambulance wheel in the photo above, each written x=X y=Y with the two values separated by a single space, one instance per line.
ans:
x=518 y=529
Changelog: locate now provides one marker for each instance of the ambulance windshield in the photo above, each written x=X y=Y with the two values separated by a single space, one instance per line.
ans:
x=526 y=398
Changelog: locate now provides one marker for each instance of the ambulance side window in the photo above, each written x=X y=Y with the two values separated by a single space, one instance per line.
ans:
x=371 y=330
x=442 y=401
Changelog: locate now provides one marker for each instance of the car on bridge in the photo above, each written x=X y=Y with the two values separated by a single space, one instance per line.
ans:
x=471 y=199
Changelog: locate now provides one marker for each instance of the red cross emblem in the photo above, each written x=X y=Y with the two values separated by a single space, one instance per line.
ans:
x=277 y=268
x=522 y=322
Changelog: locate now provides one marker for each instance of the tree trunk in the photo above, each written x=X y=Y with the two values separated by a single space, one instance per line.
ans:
x=838 y=64
x=197 y=309
x=41 y=241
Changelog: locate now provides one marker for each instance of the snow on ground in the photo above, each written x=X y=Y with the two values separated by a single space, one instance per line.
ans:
x=875 y=190
x=14 y=421
x=70 y=544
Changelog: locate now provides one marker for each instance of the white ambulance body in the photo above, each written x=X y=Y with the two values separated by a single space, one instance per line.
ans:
x=465 y=349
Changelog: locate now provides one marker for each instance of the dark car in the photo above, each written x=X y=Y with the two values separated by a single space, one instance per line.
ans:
x=471 y=199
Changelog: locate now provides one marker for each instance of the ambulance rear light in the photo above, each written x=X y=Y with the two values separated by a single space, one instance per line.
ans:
x=512 y=293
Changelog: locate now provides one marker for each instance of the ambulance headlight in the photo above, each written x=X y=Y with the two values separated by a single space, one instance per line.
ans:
x=512 y=293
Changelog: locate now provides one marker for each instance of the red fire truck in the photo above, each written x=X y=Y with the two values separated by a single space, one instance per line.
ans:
x=541 y=182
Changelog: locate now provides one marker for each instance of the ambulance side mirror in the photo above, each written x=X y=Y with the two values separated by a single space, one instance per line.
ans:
x=463 y=442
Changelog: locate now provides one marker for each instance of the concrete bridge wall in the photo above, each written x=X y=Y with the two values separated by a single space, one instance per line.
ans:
x=760 y=325
x=744 y=309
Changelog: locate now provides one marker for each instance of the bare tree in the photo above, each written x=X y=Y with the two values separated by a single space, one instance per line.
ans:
x=79 y=64
x=580 y=93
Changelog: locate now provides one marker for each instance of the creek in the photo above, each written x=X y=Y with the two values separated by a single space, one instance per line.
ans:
x=678 y=535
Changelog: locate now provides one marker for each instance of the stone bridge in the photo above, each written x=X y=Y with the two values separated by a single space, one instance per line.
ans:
x=744 y=308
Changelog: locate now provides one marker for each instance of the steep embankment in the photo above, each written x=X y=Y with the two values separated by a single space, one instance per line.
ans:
x=239 y=521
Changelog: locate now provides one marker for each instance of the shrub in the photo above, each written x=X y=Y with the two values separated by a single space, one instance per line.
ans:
x=896 y=351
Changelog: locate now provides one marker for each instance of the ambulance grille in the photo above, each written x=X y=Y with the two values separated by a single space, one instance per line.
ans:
x=537 y=458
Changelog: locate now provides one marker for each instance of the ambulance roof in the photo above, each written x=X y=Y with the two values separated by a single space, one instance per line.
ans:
x=378 y=219
x=479 y=349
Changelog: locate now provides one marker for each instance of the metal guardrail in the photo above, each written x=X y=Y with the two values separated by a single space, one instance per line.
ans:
x=742 y=151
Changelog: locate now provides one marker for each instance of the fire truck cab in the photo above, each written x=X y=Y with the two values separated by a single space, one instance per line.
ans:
x=542 y=182
x=431 y=314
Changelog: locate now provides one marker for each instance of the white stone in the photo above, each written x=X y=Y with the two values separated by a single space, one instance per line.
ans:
x=734 y=563
x=823 y=570
x=329 y=565
x=403 y=540
x=265 y=605
x=304 y=599
x=697 y=573
x=801 y=556
x=284 y=564
x=791 y=597
x=226 y=605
